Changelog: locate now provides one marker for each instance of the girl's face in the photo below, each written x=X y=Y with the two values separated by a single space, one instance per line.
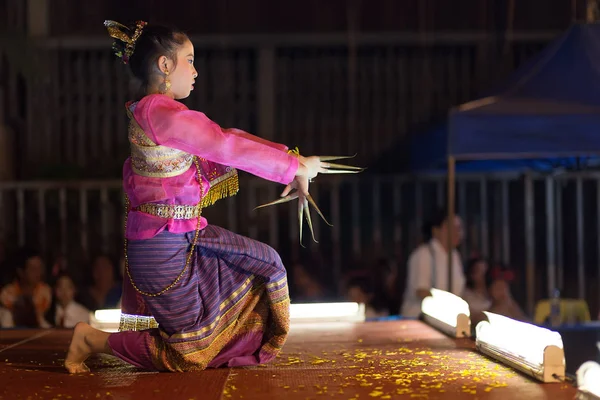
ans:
x=182 y=74
x=65 y=290
x=479 y=271
x=499 y=290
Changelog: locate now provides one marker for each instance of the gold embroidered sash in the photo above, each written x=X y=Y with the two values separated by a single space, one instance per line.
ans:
x=152 y=160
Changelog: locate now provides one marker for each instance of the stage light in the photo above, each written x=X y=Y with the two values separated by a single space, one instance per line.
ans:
x=106 y=320
x=327 y=312
x=588 y=381
x=531 y=349
x=447 y=312
x=111 y=320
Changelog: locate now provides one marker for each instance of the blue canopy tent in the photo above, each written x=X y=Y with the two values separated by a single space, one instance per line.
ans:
x=547 y=113
x=546 y=116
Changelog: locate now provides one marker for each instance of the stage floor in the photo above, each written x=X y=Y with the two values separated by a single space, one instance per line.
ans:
x=373 y=360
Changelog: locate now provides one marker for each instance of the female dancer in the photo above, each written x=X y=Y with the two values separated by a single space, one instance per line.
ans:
x=219 y=299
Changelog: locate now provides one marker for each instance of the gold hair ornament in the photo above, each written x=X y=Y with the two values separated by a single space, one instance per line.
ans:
x=120 y=32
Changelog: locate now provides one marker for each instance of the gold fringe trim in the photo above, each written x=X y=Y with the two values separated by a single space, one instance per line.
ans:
x=224 y=186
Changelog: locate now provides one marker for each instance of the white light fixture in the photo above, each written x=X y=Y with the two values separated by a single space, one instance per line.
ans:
x=533 y=350
x=106 y=320
x=447 y=312
x=109 y=320
x=588 y=380
x=327 y=312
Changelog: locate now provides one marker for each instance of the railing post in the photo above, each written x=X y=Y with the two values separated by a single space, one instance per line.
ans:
x=6 y=145
x=38 y=18
x=266 y=92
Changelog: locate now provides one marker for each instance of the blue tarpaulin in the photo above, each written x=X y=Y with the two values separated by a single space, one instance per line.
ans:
x=547 y=116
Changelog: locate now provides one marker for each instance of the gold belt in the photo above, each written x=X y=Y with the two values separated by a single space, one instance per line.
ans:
x=170 y=211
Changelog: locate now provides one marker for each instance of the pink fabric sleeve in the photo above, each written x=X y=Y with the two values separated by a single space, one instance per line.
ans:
x=172 y=124
x=239 y=132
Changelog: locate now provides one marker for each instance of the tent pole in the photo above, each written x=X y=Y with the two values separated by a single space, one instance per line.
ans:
x=550 y=237
x=505 y=223
x=559 y=235
x=598 y=230
x=529 y=243
x=462 y=211
x=580 y=239
x=485 y=237
x=451 y=213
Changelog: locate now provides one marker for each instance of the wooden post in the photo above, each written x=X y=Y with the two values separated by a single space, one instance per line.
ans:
x=592 y=11
x=38 y=18
x=529 y=243
x=7 y=165
x=266 y=93
x=451 y=213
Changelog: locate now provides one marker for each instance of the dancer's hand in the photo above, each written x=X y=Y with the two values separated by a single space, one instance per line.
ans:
x=313 y=165
x=300 y=183
x=308 y=168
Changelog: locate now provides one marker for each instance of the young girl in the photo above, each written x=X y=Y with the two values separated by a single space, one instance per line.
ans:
x=476 y=289
x=66 y=312
x=219 y=299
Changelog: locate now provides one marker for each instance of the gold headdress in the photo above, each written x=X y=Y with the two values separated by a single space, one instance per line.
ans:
x=121 y=32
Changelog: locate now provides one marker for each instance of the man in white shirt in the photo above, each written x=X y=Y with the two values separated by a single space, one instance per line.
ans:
x=428 y=264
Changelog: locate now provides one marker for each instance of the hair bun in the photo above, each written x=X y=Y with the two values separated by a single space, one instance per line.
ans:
x=125 y=37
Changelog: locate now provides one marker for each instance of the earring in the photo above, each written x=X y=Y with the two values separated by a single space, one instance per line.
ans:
x=166 y=86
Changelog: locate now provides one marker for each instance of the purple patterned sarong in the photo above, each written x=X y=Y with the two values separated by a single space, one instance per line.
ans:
x=230 y=308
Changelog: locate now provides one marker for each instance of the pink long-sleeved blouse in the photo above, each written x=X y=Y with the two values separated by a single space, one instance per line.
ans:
x=170 y=123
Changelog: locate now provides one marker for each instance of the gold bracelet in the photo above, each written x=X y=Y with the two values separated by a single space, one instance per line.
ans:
x=294 y=151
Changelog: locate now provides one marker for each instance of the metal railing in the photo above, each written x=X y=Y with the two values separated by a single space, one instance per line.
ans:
x=373 y=217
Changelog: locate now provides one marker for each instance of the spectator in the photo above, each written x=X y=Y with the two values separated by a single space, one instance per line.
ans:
x=306 y=287
x=502 y=301
x=476 y=292
x=105 y=291
x=6 y=319
x=360 y=289
x=386 y=284
x=27 y=297
x=428 y=263
x=66 y=312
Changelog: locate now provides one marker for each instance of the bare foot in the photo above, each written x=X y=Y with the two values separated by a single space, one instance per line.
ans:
x=80 y=349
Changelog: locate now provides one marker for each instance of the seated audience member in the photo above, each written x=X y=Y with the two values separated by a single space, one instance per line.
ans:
x=305 y=286
x=105 y=290
x=360 y=289
x=66 y=312
x=502 y=301
x=27 y=297
x=6 y=319
x=386 y=284
x=476 y=292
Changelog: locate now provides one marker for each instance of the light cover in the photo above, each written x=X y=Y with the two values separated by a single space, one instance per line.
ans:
x=588 y=380
x=108 y=320
x=447 y=312
x=327 y=312
x=531 y=349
